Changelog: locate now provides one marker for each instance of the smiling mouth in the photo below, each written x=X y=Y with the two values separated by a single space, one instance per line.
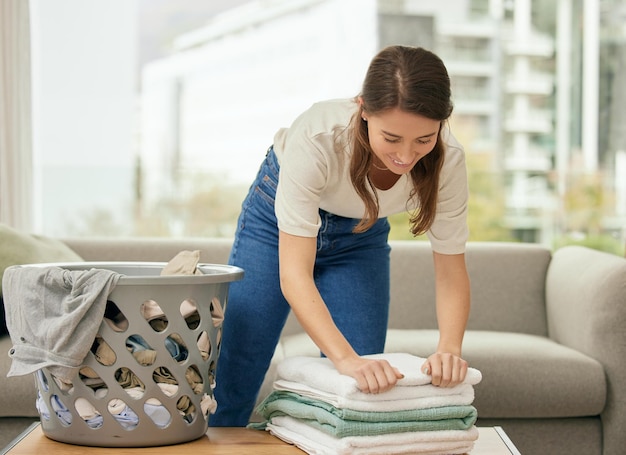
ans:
x=399 y=163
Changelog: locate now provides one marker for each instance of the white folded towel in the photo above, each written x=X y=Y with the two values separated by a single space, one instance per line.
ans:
x=418 y=397
x=317 y=378
x=316 y=442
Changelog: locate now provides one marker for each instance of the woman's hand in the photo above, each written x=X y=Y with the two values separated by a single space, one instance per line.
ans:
x=372 y=375
x=446 y=369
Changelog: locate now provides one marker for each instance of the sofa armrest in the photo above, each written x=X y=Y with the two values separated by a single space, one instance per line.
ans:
x=586 y=309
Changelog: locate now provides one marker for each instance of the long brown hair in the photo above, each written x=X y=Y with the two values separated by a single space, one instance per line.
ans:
x=414 y=80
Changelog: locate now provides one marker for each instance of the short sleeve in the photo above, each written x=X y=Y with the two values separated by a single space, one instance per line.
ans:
x=300 y=184
x=303 y=175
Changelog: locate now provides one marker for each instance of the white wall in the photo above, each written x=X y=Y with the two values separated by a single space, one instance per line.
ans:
x=83 y=57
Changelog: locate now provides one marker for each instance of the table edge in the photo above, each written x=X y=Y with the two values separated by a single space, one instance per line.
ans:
x=506 y=440
x=19 y=437
x=498 y=429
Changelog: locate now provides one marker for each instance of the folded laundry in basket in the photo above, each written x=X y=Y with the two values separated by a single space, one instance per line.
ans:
x=314 y=441
x=123 y=414
x=53 y=315
x=119 y=410
x=58 y=407
x=184 y=263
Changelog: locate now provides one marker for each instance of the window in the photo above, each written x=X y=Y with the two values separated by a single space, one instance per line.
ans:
x=151 y=118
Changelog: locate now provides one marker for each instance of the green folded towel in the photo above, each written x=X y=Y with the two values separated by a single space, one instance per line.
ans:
x=347 y=422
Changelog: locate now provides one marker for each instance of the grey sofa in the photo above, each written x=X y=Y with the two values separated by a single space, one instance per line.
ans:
x=548 y=332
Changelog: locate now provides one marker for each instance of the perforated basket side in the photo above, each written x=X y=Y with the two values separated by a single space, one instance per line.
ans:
x=129 y=298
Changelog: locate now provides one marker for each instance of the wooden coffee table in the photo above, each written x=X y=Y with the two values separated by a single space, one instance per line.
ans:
x=221 y=441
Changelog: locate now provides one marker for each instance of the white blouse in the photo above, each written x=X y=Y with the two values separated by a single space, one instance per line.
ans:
x=314 y=157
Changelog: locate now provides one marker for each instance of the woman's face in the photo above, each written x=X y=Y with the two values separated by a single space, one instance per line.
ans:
x=400 y=139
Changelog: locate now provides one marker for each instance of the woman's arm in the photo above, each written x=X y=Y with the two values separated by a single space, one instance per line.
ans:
x=297 y=259
x=453 y=304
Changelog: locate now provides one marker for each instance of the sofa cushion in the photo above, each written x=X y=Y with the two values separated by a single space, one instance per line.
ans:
x=540 y=378
x=17 y=248
x=524 y=376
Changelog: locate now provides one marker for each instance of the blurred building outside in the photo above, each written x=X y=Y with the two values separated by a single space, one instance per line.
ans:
x=252 y=69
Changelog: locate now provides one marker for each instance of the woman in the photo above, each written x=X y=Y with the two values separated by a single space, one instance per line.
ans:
x=312 y=234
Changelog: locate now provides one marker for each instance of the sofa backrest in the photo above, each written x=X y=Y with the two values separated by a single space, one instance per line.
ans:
x=213 y=250
x=507 y=285
x=508 y=279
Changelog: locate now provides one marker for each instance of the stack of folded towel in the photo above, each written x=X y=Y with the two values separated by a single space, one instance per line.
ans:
x=321 y=411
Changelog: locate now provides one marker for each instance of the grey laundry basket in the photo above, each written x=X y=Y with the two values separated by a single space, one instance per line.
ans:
x=189 y=312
